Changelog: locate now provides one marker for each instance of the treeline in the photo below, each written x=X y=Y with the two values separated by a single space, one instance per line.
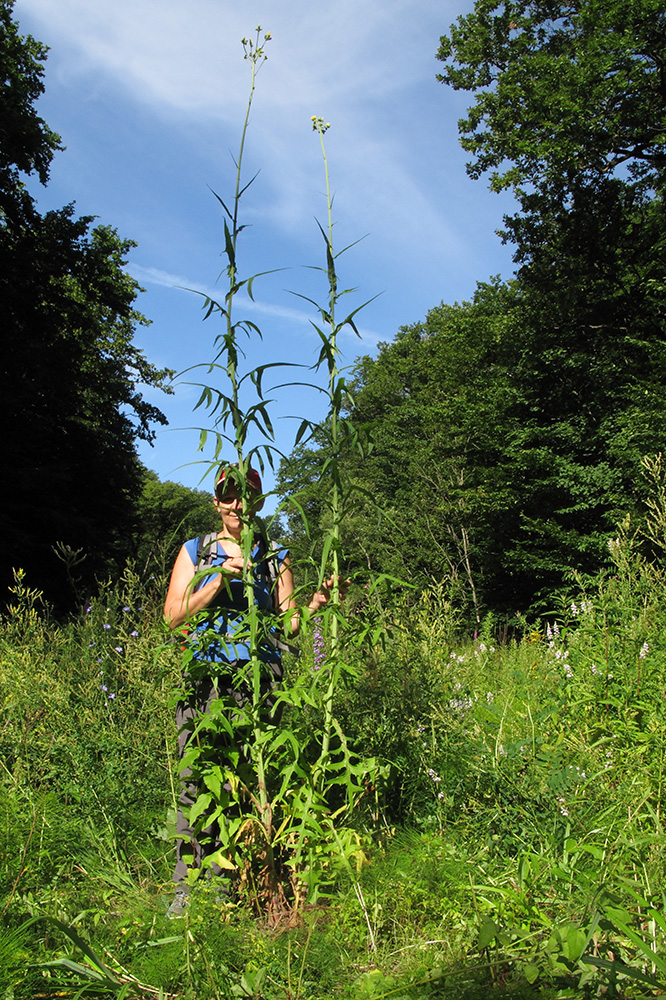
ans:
x=77 y=502
x=495 y=445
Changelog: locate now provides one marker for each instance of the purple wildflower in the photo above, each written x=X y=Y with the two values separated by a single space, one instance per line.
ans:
x=319 y=645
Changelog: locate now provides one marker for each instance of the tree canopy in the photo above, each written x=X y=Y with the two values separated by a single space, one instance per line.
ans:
x=562 y=89
x=70 y=406
x=166 y=514
x=27 y=144
x=570 y=110
x=508 y=431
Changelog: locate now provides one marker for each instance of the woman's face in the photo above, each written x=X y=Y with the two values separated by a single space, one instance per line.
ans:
x=230 y=507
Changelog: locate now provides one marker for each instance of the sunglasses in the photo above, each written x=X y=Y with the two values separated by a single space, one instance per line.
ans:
x=228 y=496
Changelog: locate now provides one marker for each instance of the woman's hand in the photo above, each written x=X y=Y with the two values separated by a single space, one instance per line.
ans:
x=233 y=566
x=322 y=596
x=182 y=602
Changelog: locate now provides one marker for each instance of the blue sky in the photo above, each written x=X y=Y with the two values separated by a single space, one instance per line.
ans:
x=149 y=98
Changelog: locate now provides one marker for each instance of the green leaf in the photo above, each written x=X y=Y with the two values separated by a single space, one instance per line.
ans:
x=487 y=933
x=620 y=968
x=574 y=943
x=531 y=972
x=200 y=807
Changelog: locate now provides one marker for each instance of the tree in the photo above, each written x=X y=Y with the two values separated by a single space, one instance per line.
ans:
x=27 y=144
x=427 y=504
x=562 y=90
x=167 y=514
x=70 y=407
x=570 y=111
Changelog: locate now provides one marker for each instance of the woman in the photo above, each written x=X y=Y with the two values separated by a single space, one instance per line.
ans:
x=218 y=643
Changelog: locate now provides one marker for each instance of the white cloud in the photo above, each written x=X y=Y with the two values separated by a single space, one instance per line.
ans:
x=350 y=62
x=187 y=55
x=156 y=276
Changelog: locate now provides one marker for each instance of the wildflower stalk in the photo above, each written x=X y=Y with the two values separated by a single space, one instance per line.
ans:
x=234 y=422
x=254 y=54
x=335 y=392
x=330 y=559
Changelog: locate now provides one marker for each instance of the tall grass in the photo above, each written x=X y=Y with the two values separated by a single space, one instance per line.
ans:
x=517 y=815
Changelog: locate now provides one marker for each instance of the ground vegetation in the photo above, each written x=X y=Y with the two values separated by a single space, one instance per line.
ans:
x=512 y=836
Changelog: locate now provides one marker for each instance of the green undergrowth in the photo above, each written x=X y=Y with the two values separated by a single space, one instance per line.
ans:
x=513 y=843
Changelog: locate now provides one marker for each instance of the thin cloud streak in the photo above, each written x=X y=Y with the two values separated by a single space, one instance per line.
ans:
x=187 y=57
x=189 y=65
x=155 y=276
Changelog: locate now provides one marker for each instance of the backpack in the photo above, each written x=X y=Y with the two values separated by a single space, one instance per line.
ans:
x=267 y=558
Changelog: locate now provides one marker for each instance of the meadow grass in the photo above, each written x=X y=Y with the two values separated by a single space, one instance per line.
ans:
x=511 y=843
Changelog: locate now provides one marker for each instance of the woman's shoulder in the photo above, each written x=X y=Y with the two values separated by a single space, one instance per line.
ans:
x=190 y=547
x=194 y=546
x=279 y=552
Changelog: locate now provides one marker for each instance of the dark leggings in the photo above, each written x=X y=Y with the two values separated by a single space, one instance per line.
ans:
x=203 y=693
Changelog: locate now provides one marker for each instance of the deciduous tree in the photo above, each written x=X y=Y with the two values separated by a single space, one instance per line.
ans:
x=570 y=112
x=70 y=405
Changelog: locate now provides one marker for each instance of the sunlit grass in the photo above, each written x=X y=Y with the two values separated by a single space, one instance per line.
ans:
x=515 y=828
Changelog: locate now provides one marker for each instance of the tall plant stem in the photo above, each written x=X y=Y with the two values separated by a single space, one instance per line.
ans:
x=256 y=57
x=334 y=416
x=254 y=53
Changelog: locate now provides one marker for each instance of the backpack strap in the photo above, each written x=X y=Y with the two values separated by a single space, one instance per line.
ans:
x=206 y=550
x=268 y=564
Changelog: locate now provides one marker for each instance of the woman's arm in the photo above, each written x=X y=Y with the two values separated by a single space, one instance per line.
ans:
x=285 y=595
x=182 y=602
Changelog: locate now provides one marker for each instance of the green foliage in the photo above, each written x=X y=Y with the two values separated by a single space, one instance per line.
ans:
x=27 y=144
x=437 y=403
x=515 y=793
x=71 y=409
x=569 y=112
x=560 y=89
x=517 y=810
x=93 y=683
x=508 y=431
x=165 y=513
x=273 y=771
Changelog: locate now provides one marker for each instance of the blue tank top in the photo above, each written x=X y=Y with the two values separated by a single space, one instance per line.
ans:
x=213 y=639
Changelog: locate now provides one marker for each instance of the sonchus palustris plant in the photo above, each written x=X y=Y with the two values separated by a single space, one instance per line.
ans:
x=277 y=781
